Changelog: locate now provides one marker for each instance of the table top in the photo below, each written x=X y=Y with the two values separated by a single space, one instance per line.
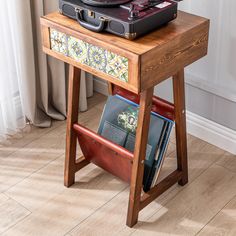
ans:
x=182 y=24
x=142 y=63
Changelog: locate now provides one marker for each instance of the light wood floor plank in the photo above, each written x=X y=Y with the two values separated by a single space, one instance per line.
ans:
x=108 y=220
x=228 y=161
x=34 y=191
x=11 y=213
x=97 y=203
x=171 y=151
x=192 y=208
x=21 y=164
x=202 y=157
x=224 y=223
x=91 y=118
x=3 y=198
x=70 y=207
x=40 y=184
x=54 y=141
x=33 y=133
x=51 y=142
x=97 y=101
x=198 y=163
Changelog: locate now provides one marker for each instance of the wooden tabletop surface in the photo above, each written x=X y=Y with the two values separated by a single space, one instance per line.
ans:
x=179 y=26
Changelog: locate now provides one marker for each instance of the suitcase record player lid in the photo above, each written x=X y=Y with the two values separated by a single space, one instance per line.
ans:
x=104 y=3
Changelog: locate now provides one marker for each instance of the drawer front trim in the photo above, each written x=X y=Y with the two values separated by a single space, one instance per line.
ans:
x=85 y=53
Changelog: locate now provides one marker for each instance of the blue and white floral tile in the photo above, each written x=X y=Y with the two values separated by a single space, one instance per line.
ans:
x=88 y=54
x=97 y=57
x=77 y=50
x=58 y=42
x=117 y=66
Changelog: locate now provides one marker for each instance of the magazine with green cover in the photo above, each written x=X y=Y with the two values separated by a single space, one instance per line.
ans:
x=119 y=122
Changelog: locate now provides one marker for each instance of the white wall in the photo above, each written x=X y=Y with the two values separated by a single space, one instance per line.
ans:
x=211 y=82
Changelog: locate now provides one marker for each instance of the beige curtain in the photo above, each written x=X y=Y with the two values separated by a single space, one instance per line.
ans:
x=45 y=95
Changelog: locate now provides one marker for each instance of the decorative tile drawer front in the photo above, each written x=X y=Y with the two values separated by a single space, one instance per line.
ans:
x=90 y=55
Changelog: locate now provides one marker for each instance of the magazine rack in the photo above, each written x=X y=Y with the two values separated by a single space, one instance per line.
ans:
x=132 y=69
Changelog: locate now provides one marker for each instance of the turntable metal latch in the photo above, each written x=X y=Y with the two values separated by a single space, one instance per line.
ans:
x=91 y=14
x=130 y=35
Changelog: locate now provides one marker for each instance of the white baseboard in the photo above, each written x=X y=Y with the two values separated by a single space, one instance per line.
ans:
x=212 y=87
x=211 y=132
x=100 y=86
x=197 y=126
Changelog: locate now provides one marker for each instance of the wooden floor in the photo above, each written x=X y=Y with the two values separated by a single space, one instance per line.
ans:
x=33 y=200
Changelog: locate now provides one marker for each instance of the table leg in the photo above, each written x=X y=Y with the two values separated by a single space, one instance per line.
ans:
x=72 y=117
x=110 y=88
x=180 y=125
x=136 y=183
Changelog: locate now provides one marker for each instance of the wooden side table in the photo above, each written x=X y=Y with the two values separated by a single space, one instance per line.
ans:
x=136 y=66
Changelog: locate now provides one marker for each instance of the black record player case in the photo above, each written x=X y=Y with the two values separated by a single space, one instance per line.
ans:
x=130 y=20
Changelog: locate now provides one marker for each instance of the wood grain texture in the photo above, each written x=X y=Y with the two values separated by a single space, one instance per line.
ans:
x=188 y=212
x=21 y=164
x=45 y=36
x=11 y=213
x=67 y=208
x=110 y=88
x=160 y=188
x=186 y=47
x=180 y=125
x=136 y=183
x=80 y=163
x=202 y=156
x=140 y=46
x=72 y=118
x=33 y=192
x=152 y=58
x=3 y=198
x=56 y=211
x=228 y=161
x=46 y=175
x=224 y=223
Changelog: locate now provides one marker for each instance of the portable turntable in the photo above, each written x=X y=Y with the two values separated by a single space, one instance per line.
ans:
x=125 y=18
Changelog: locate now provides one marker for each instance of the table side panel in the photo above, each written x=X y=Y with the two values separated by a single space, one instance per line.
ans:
x=162 y=62
x=95 y=57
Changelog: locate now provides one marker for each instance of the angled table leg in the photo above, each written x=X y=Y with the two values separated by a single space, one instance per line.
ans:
x=139 y=156
x=110 y=88
x=72 y=117
x=180 y=125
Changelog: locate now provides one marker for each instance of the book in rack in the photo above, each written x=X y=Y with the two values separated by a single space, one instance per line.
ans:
x=118 y=124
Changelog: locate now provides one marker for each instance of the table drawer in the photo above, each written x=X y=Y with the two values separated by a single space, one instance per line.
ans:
x=110 y=64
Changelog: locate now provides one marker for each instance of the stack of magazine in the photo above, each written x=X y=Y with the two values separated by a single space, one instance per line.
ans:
x=118 y=124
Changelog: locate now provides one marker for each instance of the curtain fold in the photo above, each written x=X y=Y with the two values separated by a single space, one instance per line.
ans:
x=32 y=84
x=51 y=76
x=12 y=70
